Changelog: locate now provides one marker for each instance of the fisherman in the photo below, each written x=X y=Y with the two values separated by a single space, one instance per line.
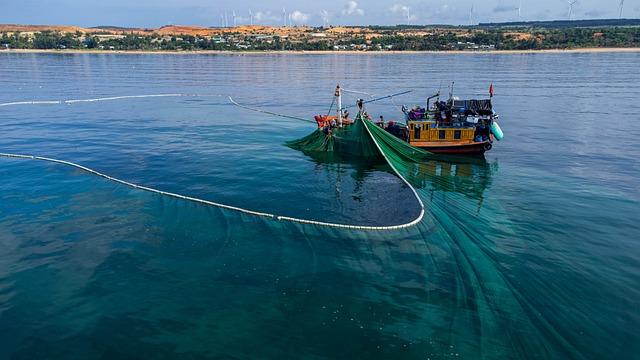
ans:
x=393 y=128
x=360 y=103
x=381 y=122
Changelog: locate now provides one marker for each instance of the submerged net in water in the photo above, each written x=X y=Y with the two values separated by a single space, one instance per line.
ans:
x=460 y=263
x=362 y=139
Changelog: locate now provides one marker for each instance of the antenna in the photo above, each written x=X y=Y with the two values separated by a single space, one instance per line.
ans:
x=572 y=3
x=621 y=8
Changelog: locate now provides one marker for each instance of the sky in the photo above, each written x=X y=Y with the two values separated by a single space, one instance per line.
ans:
x=155 y=13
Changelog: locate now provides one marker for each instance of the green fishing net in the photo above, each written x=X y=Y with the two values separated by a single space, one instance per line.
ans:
x=357 y=140
x=352 y=140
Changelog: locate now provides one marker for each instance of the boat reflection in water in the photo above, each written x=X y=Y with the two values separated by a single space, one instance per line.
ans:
x=469 y=178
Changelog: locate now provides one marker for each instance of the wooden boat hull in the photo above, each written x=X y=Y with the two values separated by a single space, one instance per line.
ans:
x=471 y=148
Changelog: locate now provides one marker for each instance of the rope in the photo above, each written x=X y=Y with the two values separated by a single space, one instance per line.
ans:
x=269 y=112
x=381 y=98
x=229 y=207
x=331 y=107
x=32 y=103
x=212 y=203
x=111 y=98
x=358 y=92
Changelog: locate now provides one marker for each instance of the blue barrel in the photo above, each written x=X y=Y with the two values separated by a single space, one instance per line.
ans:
x=496 y=131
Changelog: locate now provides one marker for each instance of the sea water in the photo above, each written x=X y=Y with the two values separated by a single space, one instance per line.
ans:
x=531 y=252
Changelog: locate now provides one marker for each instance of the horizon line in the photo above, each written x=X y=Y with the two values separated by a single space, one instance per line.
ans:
x=104 y=26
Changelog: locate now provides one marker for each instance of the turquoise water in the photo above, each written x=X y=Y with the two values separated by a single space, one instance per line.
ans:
x=532 y=253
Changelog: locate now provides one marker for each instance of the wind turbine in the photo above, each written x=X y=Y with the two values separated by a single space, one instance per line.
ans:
x=284 y=16
x=250 y=17
x=520 y=10
x=471 y=15
x=571 y=5
x=234 y=18
x=621 y=7
x=324 y=14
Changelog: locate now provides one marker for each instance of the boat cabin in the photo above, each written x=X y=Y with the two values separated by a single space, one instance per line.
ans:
x=455 y=126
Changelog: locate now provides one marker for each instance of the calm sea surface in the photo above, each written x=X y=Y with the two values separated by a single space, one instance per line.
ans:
x=533 y=252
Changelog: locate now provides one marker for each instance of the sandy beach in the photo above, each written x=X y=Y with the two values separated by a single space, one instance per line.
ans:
x=342 y=52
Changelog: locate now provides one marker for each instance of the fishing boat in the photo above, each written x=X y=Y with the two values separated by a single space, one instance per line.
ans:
x=454 y=126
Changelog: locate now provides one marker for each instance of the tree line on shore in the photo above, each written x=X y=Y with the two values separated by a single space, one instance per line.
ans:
x=469 y=39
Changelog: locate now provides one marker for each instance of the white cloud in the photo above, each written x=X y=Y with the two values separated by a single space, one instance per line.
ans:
x=259 y=16
x=266 y=16
x=352 y=8
x=396 y=8
x=298 y=17
x=241 y=19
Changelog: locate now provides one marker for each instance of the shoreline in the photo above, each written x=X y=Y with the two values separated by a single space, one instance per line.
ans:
x=327 y=52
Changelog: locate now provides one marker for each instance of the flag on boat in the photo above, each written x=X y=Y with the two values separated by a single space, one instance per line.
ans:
x=491 y=90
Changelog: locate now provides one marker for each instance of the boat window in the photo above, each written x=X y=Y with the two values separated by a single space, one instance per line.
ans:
x=456 y=134
x=416 y=133
x=441 y=134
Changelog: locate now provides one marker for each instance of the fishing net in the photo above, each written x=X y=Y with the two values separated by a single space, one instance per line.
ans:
x=467 y=291
x=364 y=139
x=352 y=140
x=457 y=220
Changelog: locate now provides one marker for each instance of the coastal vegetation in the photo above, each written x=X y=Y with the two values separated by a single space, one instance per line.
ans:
x=520 y=36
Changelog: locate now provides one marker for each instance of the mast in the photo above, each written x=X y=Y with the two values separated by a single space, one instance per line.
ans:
x=339 y=96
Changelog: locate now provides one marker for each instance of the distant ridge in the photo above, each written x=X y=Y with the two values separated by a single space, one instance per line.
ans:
x=566 y=23
x=209 y=31
x=506 y=36
x=192 y=30
x=114 y=28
